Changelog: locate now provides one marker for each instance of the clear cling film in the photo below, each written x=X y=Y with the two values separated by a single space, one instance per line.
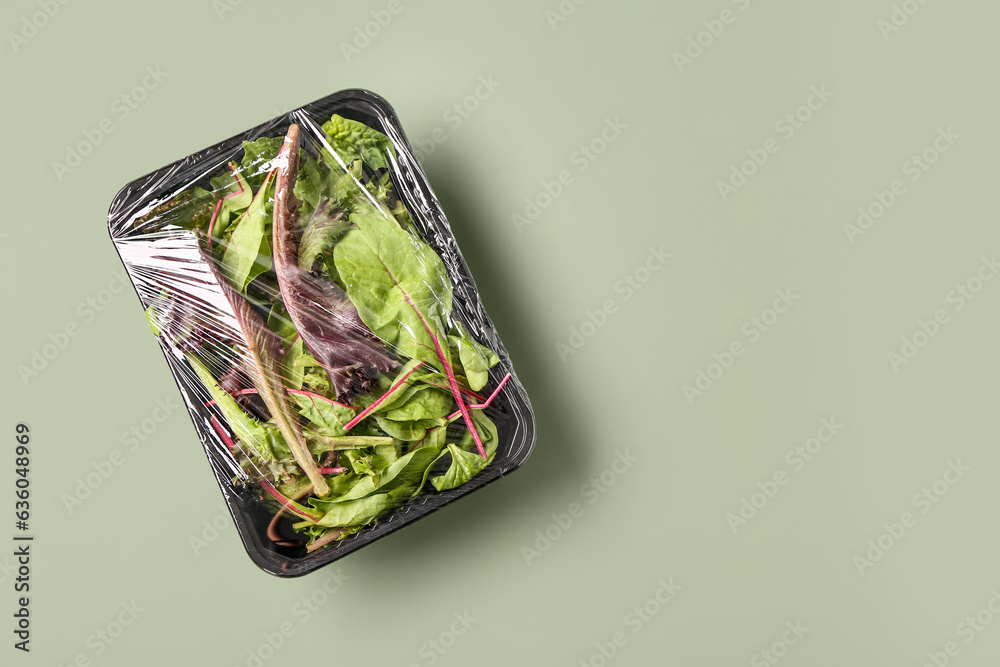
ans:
x=323 y=329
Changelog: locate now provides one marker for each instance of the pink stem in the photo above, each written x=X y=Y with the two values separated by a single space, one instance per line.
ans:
x=301 y=392
x=495 y=392
x=211 y=224
x=239 y=219
x=223 y=434
x=381 y=399
x=232 y=168
x=467 y=392
x=218 y=204
x=451 y=374
x=288 y=504
x=331 y=471
x=483 y=406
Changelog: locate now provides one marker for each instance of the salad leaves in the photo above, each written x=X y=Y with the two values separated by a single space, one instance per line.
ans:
x=351 y=388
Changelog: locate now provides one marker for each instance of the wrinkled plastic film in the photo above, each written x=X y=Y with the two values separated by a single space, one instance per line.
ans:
x=323 y=329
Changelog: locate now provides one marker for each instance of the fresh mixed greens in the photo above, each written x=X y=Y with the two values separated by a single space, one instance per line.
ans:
x=346 y=386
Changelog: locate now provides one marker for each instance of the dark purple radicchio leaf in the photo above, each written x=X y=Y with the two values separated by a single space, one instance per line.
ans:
x=326 y=319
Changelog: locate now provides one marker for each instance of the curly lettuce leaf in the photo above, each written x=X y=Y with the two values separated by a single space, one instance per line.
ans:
x=353 y=140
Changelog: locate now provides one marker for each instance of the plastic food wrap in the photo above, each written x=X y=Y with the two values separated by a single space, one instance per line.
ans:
x=323 y=329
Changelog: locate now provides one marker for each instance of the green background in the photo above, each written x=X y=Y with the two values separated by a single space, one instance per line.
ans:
x=621 y=391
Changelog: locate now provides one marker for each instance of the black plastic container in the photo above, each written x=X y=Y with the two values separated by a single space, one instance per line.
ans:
x=147 y=258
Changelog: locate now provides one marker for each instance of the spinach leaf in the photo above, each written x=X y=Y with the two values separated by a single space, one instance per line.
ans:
x=362 y=511
x=405 y=471
x=476 y=359
x=384 y=456
x=402 y=293
x=464 y=466
x=422 y=402
x=248 y=253
x=487 y=429
x=327 y=418
x=398 y=284
x=407 y=431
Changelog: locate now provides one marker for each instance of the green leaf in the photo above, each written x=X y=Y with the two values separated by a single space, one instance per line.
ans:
x=353 y=140
x=395 y=392
x=384 y=456
x=421 y=402
x=235 y=195
x=435 y=437
x=344 y=185
x=322 y=230
x=487 y=433
x=358 y=463
x=476 y=359
x=259 y=359
x=248 y=253
x=188 y=210
x=408 y=431
x=279 y=322
x=317 y=382
x=248 y=430
x=466 y=462
x=277 y=444
x=292 y=372
x=319 y=443
x=309 y=185
x=464 y=466
x=306 y=360
x=362 y=511
x=327 y=418
x=398 y=285
x=406 y=471
x=257 y=157
x=151 y=319
x=403 y=217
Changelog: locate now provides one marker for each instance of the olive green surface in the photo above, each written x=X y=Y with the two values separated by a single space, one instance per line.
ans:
x=767 y=422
